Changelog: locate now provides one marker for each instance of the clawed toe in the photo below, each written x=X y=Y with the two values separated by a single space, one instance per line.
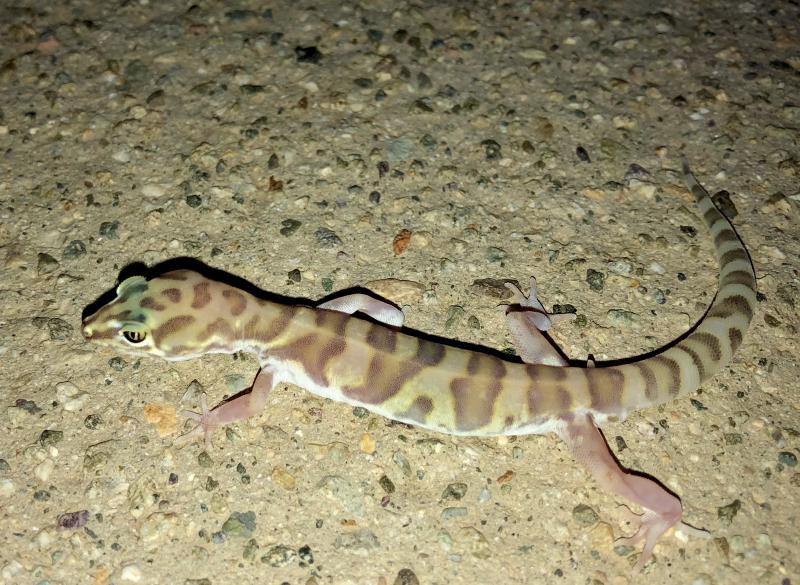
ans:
x=204 y=425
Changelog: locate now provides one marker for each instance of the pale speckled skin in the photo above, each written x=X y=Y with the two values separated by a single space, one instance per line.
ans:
x=372 y=363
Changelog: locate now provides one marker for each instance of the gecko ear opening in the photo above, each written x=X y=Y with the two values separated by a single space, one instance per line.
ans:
x=138 y=282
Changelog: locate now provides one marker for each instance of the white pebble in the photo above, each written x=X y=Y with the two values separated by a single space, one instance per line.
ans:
x=43 y=470
x=66 y=390
x=44 y=539
x=10 y=570
x=657 y=268
x=123 y=155
x=131 y=573
x=153 y=190
x=7 y=487
x=76 y=403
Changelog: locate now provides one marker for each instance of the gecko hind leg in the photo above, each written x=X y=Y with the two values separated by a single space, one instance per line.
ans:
x=528 y=320
x=662 y=509
x=238 y=408
x=377 y=309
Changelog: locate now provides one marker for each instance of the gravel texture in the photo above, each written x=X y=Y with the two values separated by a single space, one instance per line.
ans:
x=430 y=151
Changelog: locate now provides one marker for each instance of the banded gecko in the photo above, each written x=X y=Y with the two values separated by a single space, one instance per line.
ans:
x=368 y=360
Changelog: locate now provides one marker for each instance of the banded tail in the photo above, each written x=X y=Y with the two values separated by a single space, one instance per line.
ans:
x=706 y=349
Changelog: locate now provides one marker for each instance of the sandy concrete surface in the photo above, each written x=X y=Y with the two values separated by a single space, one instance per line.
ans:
x=311 y=147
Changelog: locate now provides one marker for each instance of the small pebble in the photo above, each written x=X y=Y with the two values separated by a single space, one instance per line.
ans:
x=366 y=444
x=131 y=573
x=43 y=470
x=73 y=520
x=153 y=190
x=727 y=513
x=239 y=524
x=595 y=279
x=278 y=555
x=406 y=577
x=327 y=238
x=454 y=512
x=7 y=487
x=454 y=491
x=787 y=458
x=283 y=478
x=585 y=515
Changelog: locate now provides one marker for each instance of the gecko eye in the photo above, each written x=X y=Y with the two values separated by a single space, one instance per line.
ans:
x=134 y=336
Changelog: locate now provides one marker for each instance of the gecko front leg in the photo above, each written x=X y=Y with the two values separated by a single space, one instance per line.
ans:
x=527 y=319
x=360 y=303
x=239 y=408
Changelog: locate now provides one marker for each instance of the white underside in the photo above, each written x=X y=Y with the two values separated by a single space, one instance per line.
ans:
x=289 y=372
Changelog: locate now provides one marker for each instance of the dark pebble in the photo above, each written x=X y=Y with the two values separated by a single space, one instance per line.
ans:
x=582 y=154
x=28 y=406
x=72 y=520
x=75 y=249
x=595 y=279
x=289 y=226
x=307 y=54
x=386 y=484
x=250 y=89
x=108 y=230
x=492 y=149
x=194 y=200
x=41 y=495
x=59 y=329
x=305 y=554
x=50 y=437
x=92 y=421
x=327 y=238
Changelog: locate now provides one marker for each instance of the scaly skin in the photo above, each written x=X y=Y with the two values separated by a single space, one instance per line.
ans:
x=373 y=363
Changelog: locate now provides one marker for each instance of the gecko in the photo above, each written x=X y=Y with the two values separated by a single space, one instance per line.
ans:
x=353 y=349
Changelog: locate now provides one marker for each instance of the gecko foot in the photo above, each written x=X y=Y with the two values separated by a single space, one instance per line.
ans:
x=651 y=525
x=538 y=314
x=206 y=424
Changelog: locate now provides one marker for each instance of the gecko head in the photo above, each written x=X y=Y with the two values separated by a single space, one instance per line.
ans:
x=126 y=323
x=158 y=317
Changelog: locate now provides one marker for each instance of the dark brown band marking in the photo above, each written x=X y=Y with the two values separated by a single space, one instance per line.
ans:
x=277 y=325
x=381 y=338
x=709 y=341
x=744 y=277
x=650 y=382
x=152 y=304
x=173 y=294
x=381 y=384
x=733 y=255
x=473 y=404
x=674 y=370
x=696 y=359
x=131 y=291
x=176 y=275
x=429 y=353
x=221 y=327
x=201 y=295
x=711 y=216
x=171 y=326
x=725 y=236
x=419 y=410
x=735 y=336
x=236 y=301
x=732 y=305
x=605 y=388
